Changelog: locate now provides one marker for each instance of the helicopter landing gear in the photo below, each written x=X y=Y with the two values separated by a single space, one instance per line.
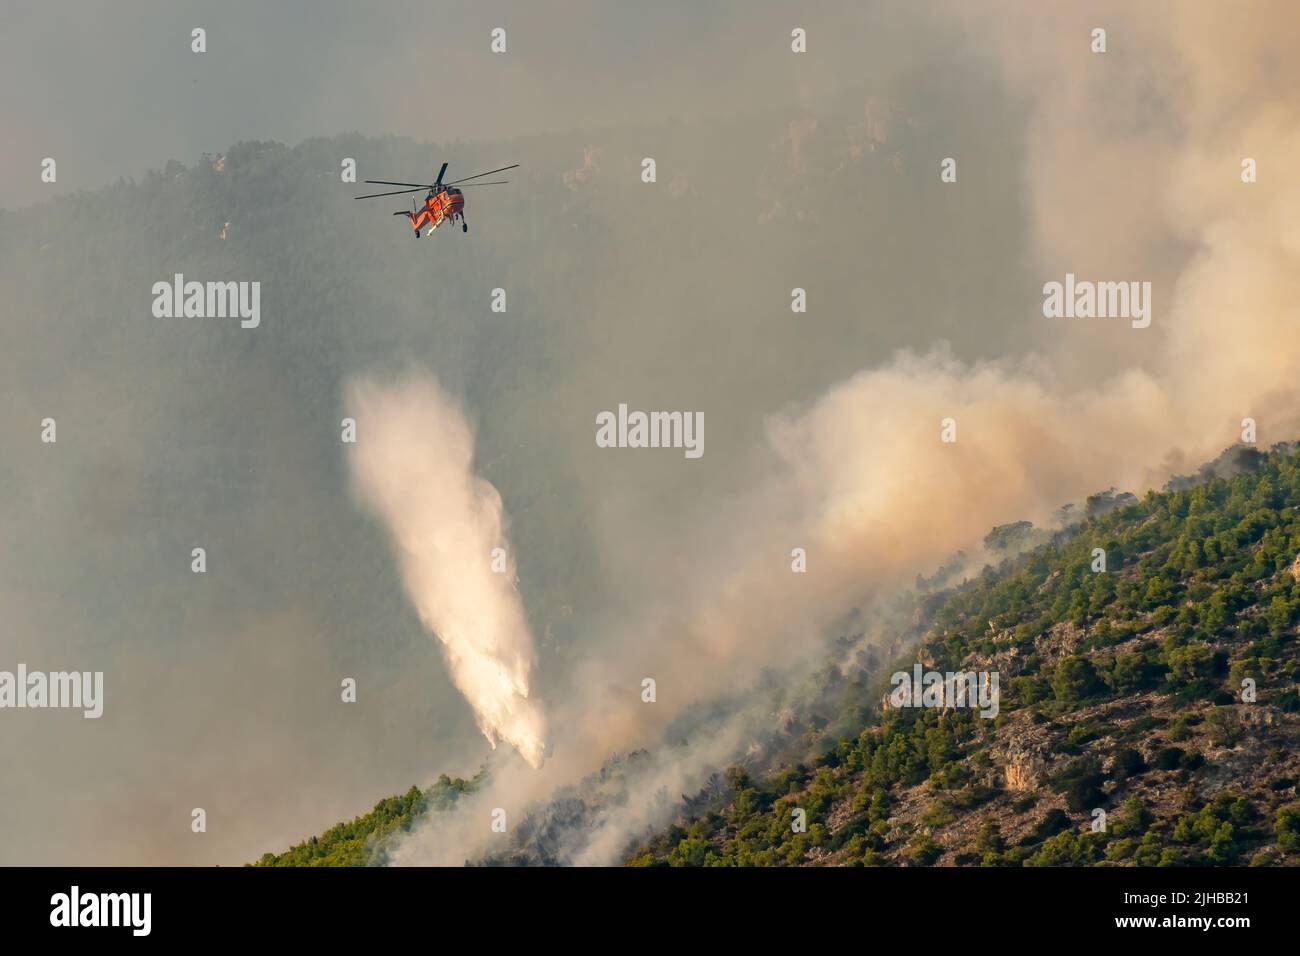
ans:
x=417 y=234
x=464 y=226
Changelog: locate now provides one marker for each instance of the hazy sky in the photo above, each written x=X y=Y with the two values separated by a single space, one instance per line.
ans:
x=111 y=89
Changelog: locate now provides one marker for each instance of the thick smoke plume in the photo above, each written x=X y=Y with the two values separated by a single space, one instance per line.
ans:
x=861 y=479
x=1133 y=174
x=413 y=464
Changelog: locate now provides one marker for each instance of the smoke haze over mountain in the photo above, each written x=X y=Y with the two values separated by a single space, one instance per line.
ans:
x=776 y=171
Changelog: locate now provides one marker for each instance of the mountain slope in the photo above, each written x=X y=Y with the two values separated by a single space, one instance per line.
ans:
x=1121 y=692
x=366 y=840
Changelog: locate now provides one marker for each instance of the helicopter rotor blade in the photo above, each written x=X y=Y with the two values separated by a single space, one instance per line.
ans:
x=477 y=175
x=398 y=192
x=385 y=182
x=496 y=182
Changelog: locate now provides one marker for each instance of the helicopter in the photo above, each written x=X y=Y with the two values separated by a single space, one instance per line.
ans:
x=444 y=201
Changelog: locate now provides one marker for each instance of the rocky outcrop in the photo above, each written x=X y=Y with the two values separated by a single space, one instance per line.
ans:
x=1024 y=770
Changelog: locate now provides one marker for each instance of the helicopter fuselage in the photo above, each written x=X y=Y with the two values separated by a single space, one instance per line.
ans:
x=448 y=203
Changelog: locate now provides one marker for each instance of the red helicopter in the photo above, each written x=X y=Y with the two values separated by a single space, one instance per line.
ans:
x=443 y=202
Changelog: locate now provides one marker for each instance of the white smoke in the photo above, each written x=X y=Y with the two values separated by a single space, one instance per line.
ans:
x=413 y=464
x=1133 y=172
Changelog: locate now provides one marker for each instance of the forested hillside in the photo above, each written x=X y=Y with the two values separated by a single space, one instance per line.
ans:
x=1122 y=691
x=366 y=840
x=1125 y=690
